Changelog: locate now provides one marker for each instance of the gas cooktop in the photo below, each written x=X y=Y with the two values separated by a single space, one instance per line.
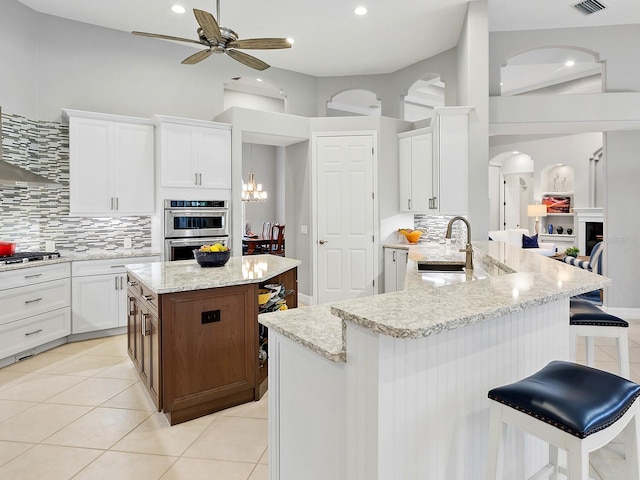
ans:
x=24 y=257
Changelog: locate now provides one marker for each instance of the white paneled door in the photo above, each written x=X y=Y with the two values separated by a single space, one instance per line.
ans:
x=345 y=215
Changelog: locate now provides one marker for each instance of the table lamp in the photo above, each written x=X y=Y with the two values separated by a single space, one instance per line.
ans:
x=537 y=211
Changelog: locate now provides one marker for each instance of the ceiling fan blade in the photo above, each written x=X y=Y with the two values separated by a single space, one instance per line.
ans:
x=208 y=24
x=197 y=57
x=248 y=60
x=260 y=43
x=167 y=37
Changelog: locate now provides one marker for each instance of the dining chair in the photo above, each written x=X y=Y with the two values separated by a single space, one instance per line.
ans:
x=276 y=245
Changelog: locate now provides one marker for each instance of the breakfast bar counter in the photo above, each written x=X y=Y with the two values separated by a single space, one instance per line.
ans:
x=398 y=382
x=192 y=332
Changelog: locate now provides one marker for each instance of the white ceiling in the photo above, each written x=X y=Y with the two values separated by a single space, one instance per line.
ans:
x=329 y=39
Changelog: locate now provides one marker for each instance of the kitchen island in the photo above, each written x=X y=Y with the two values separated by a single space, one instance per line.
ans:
x=395 y=385
x=192 y=332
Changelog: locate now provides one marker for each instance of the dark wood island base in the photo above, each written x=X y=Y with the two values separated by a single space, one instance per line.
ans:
x=197 y=351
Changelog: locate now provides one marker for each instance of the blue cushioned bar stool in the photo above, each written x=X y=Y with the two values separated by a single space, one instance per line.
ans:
x=589 y=321
x=570 y=406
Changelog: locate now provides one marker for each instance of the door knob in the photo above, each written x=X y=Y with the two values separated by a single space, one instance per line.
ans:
x=322 y=242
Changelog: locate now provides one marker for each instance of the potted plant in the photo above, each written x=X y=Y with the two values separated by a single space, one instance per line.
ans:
x=572 y=251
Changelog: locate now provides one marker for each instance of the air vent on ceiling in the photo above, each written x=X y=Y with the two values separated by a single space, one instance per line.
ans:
x=589 y=6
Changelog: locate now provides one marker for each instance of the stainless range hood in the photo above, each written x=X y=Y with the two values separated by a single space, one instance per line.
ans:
x=20 y=177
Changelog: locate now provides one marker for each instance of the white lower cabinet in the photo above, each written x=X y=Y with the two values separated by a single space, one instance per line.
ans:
x=395 y=268
x=99 y=289
x=34 y=308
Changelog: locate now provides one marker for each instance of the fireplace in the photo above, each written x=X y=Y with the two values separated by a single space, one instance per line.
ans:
x=593 y=234
x=590 y=223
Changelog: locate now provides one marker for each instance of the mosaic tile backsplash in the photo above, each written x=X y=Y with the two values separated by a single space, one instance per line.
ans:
x=434 y=228
x=33 y=216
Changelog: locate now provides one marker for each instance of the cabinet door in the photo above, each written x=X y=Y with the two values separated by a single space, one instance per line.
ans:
x=95 y=303
x=390 y=270
x=151 y=353
x=178 y=162
x=90 y=167
x=133 y=168
x=404 y=173
x=213 y=150
x=452 y=154
x=421 y=172
x=401 y=267
x=133 y=328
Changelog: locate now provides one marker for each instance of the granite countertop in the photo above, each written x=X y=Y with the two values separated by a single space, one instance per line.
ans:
x=69 y=256
x=187 y=275
x=518 y=279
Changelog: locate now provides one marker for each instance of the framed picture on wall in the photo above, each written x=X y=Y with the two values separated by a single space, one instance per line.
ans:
x=557 y=203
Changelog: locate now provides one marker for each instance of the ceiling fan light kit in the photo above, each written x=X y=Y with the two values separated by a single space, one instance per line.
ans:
x=221 y=40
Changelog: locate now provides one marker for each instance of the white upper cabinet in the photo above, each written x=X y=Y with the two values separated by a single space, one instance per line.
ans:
x=416 y=171
x=433 y=164
x=194 y=154
x=110 y=164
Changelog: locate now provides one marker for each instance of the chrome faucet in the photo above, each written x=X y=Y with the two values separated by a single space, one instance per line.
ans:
x=468 y=249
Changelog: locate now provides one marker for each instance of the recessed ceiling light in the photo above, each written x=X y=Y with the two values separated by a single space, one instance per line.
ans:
x=291 y=40
x=177 y=9
x=259 y=79
x=569 y=63
x=360 y=11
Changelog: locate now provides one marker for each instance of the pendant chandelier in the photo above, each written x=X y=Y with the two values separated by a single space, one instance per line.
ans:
x=252 y=191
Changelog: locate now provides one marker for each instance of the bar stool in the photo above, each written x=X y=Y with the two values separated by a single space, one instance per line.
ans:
x=570 y=406
x=589 y=321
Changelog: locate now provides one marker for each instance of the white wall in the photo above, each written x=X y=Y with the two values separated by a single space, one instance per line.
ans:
x=473 y=49
x=50 y=63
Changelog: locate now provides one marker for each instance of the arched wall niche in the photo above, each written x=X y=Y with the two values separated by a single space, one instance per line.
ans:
x=422 y=97
x=255 y=93
x=355 y=101
x=552 y=70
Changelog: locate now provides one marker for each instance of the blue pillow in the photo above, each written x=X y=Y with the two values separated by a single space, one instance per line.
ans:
x=530 y=242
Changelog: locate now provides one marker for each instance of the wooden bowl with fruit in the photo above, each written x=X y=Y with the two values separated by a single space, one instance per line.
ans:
x=216 y=255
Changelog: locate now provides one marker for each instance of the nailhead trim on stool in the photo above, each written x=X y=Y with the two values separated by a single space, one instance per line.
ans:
x=571 y=406
x=589 y=321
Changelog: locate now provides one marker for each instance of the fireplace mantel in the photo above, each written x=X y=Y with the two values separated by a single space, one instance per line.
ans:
x=584 y=216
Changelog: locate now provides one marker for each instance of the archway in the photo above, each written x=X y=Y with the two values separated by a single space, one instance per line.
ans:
x=552 y=71
x=356 y=101
x=423 y=96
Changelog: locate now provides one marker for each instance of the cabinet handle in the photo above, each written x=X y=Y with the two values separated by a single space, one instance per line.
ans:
x=117 y=206
x=33 y=301
x=145 y=332
x=132 y=306
x=409 y=204
x=132 y=284
x=117 y=266
x=111 y=203
x=199 y=179
x=121 y=284
x=394 y=255
x=148 y=297
x=33 y=333
x=116 y=279
x=35 y=275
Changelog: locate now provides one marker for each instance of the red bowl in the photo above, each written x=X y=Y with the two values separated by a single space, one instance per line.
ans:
x=7 y=249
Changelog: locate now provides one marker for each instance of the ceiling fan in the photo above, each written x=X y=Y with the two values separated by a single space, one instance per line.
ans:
x=220 y=40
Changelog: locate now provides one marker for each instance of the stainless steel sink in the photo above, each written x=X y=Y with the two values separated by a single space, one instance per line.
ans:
x=440 y=274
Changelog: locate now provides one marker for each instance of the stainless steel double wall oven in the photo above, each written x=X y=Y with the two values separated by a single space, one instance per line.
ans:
x=191 y=223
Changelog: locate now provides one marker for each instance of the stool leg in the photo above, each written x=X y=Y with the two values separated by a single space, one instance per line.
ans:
x=623 y=352
x=553 y=460
x=497 y=433
x=632 y=444
x=578 y=463
x=591 y=351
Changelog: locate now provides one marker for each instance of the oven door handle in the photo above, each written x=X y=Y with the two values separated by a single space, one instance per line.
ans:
x=197 y=213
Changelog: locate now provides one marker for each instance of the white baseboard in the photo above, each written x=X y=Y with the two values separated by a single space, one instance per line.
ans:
x=306 y=299
x=625 y=313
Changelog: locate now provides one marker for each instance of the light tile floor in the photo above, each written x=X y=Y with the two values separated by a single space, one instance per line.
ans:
x=79 y=412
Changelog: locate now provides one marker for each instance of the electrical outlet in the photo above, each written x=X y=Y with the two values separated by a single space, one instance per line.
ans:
x=304 y=229
x=127 y=242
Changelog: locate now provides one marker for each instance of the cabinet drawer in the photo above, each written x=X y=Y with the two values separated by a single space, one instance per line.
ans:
x=32 y=275
x=136 y=289
x=22 y=302
x=107 y=266
x=24 y=334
